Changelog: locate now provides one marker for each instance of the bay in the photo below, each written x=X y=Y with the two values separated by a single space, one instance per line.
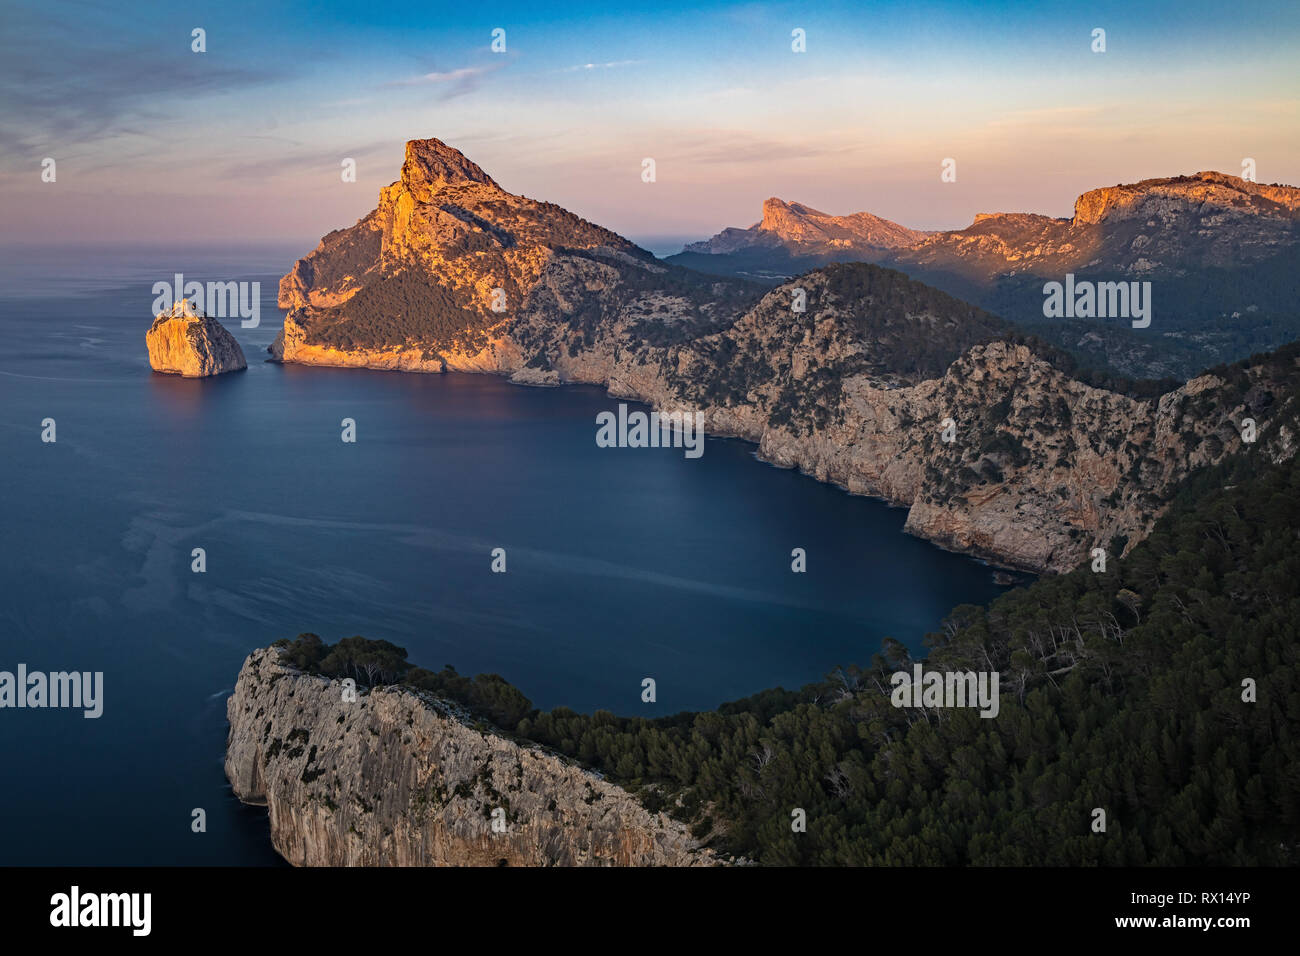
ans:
x=622 y=563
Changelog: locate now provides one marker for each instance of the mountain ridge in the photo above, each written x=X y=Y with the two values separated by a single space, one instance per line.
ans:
x=782 y=220
x=848 y=372
x=1223 y=253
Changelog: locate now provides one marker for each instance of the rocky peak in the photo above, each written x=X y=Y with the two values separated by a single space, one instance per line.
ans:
x=183 y=309
x=796 y=223
x=778 y=212
x=431 y=164
x=430 y=256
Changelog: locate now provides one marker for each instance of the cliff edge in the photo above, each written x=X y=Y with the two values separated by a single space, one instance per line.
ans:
x=396 y=777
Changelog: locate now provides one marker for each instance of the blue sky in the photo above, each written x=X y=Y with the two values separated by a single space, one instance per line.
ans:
x=153 y=141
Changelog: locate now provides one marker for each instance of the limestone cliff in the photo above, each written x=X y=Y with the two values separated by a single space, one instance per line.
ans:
x=1166 y=227
x=853 y=389
x=399 y=778
x=183 y=342
x=1040 y=469
x=1215 y=193
x=434 y=275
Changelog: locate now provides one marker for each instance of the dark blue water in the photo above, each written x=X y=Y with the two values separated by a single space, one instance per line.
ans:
x=622 y=563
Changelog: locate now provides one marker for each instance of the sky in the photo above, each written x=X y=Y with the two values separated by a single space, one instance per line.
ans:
x=152 y=141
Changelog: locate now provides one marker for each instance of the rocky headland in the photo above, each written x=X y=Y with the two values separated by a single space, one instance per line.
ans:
x=397 y=777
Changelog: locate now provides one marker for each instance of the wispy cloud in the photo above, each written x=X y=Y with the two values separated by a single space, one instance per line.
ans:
x=613 y=64
x=737 y=146
x=46 y=105
x=295 y=163
x=448 y=76
x=455 y=82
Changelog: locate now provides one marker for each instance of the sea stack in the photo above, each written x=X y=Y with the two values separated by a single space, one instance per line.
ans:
x=189 y=343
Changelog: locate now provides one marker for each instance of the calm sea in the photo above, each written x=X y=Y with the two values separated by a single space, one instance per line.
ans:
x=622 y=563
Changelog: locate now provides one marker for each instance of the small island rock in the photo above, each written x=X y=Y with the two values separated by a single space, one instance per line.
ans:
x=186 y=342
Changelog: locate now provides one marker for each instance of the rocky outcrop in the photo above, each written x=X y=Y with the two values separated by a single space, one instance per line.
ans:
x=188 y=343
x=1210 y=192
x=813 y=230
x=399 y=778
x=854 y=389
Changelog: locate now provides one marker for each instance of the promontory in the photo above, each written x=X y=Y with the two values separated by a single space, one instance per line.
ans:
x=391 y=776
